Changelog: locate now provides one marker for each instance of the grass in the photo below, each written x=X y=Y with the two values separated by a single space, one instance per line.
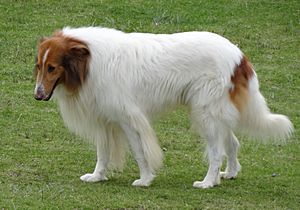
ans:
x=40 y=161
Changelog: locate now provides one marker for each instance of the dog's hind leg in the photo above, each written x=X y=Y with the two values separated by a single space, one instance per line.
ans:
x=214 y=130
x=231 y=146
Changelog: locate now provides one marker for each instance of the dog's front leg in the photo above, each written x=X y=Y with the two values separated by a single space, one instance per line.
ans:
x=134 y=139
x=102 y=162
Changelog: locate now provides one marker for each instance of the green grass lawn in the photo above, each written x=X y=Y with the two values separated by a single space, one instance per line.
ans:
x=41 y=162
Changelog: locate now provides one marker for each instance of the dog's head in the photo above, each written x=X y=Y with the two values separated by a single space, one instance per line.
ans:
x=61 y=60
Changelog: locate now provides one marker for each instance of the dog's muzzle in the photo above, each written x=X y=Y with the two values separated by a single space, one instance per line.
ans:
x=39 y=93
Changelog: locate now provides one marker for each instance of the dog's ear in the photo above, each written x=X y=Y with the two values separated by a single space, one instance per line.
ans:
x=75 y=62
x=80 y=51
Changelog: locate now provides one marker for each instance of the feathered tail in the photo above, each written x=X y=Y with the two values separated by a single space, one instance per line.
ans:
x=255 y=117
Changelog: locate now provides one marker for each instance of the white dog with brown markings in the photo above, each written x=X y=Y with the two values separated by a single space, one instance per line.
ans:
x=110 y=85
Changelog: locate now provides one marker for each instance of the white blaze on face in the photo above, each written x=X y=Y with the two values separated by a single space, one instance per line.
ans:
x=45 y=56
x=39 y=87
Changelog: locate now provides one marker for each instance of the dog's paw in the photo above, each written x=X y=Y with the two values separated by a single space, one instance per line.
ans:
x=93 y=178
x=141 y=183
x=231 y=173
x=227 y=175
x=204 y=184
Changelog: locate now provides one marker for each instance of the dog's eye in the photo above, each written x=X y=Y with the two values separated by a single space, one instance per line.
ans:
x=37 y=66
x=51 y=68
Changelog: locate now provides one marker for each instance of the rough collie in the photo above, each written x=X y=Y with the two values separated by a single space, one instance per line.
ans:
x=110 y=85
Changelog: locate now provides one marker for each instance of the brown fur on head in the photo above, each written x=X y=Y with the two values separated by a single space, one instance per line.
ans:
x=60 y=60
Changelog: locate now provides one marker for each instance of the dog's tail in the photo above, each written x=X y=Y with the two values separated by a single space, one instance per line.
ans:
x=256 y=119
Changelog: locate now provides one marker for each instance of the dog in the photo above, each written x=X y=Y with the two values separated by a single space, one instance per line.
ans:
x=110 y=85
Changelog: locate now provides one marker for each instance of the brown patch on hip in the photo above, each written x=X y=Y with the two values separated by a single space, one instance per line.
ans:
x=239 y=94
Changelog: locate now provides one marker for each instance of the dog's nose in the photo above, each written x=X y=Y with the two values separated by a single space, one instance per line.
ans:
x=38 y=97
x=39 y=93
